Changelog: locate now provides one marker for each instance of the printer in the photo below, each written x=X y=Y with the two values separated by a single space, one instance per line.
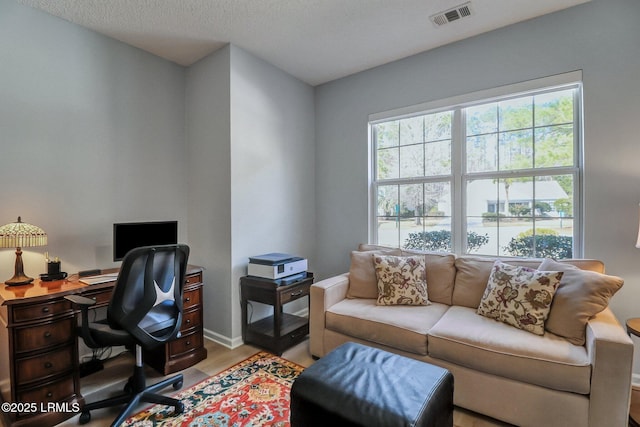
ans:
x=277 y=265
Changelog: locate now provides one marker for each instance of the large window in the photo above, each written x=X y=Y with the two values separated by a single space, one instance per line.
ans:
x=495 y=176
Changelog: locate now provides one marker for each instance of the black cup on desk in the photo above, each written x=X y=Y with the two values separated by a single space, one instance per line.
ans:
x=53 y=272
x=53 y=268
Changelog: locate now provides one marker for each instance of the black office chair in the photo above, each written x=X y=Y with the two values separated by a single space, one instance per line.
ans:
x=145 y=311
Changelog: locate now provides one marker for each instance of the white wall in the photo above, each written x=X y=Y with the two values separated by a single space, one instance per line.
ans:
x=602 y=38
x=250 y=132
x=91 y=133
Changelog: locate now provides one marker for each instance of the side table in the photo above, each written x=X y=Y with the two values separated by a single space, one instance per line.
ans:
x=281 y=330
x=633 y=328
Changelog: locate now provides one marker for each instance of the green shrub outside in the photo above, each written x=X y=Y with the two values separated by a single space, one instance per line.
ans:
x=546 y=246
x=440 y=241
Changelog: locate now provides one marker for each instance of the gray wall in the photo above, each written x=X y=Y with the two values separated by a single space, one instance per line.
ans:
x=209 y=163
x=250 y=133
x=602 y=38
x=272 y=167
x=91 y=133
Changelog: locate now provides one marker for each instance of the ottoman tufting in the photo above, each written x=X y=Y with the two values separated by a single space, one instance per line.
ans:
x=356 y=385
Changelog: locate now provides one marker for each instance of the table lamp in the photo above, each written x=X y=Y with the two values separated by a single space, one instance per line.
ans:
x=21 y=235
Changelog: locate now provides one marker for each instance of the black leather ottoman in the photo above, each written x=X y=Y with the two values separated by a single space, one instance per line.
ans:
x=356 y=385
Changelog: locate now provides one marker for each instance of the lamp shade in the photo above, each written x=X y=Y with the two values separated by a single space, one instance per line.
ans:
x=21 y=235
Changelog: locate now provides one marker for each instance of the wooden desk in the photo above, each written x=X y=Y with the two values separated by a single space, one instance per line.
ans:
x=39 y=358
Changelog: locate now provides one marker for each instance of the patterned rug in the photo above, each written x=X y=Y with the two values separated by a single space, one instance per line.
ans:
x=252 y=393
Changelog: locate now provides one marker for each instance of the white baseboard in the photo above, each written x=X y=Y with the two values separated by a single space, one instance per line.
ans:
x=224 y=341
x=236 y=342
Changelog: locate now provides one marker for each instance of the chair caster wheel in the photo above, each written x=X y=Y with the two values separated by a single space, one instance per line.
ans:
x=179 y=408
x=85 y=417
x=177 y=386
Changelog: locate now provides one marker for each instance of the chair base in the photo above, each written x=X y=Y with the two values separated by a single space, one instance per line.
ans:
x=135 y=392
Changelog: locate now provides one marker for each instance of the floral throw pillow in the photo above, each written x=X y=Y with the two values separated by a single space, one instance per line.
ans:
x=401 y=280
x=519 y=296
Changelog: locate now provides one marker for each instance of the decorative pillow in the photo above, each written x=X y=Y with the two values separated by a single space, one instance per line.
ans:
x=362 y=274
x=519 y=296
x=401 y=280
x=581 y=295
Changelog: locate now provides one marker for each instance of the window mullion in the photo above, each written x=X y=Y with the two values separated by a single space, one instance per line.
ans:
x=457 y=168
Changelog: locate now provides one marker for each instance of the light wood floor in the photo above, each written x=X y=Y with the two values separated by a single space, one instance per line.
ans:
x=116 y=371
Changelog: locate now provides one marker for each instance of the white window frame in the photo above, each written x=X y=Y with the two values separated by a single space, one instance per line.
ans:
x=459 y=175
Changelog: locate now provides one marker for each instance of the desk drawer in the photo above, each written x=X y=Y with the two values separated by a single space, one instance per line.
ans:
x=56 y=391
x=102 y=297
x=190 y=280
x=295 y=292
x=191 y=319
x=38 y=311
x=40 y=337
x=185 y=344
x=51 y=363
x=191 y=298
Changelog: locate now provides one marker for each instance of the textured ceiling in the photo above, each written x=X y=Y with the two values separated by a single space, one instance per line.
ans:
x=314 y=40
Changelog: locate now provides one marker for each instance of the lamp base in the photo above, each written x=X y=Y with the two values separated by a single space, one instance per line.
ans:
x=18 y=279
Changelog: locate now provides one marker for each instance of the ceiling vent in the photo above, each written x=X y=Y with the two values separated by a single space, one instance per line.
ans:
x=461 y=11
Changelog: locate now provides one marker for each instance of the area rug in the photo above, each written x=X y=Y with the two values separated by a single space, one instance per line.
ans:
x=255 y=392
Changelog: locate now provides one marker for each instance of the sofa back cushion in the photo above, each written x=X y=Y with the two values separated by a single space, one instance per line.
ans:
x=473 y=274
x=363 y=282
x=581 y=295
x=440 y=267
x=441 y=274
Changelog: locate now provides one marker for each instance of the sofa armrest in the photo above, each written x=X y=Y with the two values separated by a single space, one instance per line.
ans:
x=324 y=294
x=611 y=352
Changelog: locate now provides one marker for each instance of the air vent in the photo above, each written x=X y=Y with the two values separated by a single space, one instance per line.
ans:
x=453 y=14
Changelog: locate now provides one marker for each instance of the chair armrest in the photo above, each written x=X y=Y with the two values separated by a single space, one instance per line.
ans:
x=611 y=353
x=80 y=300
x=324 y=294
x=84 y=303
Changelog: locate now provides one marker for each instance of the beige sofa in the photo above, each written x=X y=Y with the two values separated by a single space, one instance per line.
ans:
x=500 y=371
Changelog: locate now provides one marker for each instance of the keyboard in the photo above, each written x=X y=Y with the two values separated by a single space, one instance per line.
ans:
x=102 y=278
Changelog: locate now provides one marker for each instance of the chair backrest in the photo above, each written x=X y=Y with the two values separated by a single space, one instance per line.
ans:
x=147 y=298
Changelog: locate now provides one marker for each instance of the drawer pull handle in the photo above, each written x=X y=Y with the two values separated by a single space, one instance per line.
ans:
x=188 y=342
x=296 y=294
x=47 y=334
x=49 y=394
x=187 y=299
x=188 y=321
x=48 y=365
x=45 y=309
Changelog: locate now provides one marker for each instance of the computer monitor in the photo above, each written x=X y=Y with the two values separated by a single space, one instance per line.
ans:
x=130 y=235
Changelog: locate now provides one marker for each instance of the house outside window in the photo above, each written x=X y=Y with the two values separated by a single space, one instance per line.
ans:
x=492 y=175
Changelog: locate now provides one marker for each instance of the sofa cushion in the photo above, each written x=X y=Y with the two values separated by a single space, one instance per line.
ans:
x=362 y=274
x=581 y=295
x=468 y=339
x=401 y=327
x=473 y=274
x=441 y=274
x=519 y=296
x=401 y=280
